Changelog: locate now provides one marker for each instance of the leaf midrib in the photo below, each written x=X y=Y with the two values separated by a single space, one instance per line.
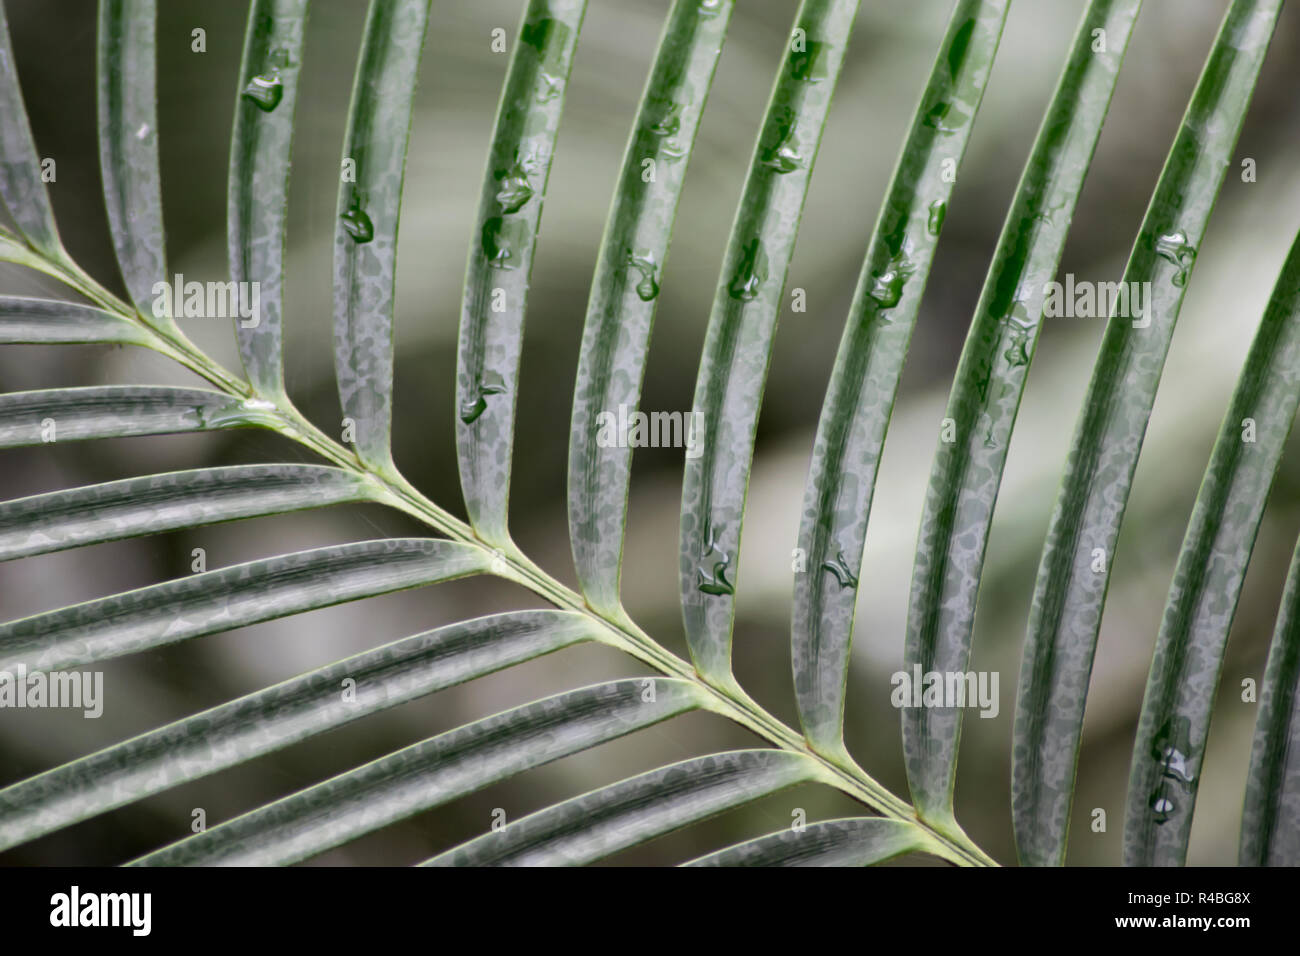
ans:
x=397 y=492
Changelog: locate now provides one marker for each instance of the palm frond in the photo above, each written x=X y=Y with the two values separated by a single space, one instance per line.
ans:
x=357 y=466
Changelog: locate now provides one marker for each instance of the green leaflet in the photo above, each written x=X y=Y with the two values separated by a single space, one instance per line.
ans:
x=738 y=344
x=860 y=397
x=625 y=814
x=858 y=841
x=257 y=200
x=21 y=186
x=1202 y=602
x=50 y=321
x=625 y=290
x=156 y=503
x=365 y=240
x=119 y=411
x=501 y=257
x=1068 y=595
x=431 y=773
x=277 y=716
x=215 y=601
x=985 y=396
x=1269 y=836
x=128 y=149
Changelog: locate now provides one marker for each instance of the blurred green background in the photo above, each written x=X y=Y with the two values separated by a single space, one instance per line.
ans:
x=888 y=61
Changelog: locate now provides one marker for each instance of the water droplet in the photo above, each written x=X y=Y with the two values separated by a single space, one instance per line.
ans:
x=265 y=92
x=356 y=223
x=840 y=568
x=143 y=131
x=489 y=384
x=751 y=272
x=887 y=287
x=673 y=150
x=1162 y=804
x=809 y=64
x=710 y=8
x=712 y=577
x=938 y=210
x=648 y=287
x=1017 y=354
x=1170 y=749
x=515 y=190
x=500 y=239
x=781 y=155
x=239 y=412
x=266 y=89
x=1175 y=248
x=670 y=123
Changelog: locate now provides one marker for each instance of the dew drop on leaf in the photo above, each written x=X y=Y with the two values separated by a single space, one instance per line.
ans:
x=938 y=210
x=751 y=272
x=357 y=224
x=1174 y=248
x=648 y=287
x=264 y=92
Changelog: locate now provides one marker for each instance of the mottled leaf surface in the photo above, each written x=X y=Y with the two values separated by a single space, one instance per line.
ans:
x=1065 y=613
x=501 y=257
x=859 y=841
x=153 y=504
x=985 y=397
x=258 y=194
x=591 y=827
x=625 y=290
x=365 y=233
x=738 y=343
x=431 y=773
x=214 y=601
x=869 y=363
x=273 y=718
x=1188 y=657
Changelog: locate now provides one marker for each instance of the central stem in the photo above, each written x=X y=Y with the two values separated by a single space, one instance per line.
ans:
x=393 y=489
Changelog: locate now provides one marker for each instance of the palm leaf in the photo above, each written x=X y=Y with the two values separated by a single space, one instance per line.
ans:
x=273 y=718
x=26 y=321
x=365 y=238
x=357 y=466
x=216 y=601
x=738 y=344
x=861 y=841
x=21 y=187
x=128 y=149
x=986 y=395
x=501 y=257
x=183 y=499
x=589 y=828
x=869 y=364
x=625 y=290
x=1268 y=833
x=260 y=148
x=432 y=772
x=117 y=411
x=1069 y=593
x=1188 y=656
